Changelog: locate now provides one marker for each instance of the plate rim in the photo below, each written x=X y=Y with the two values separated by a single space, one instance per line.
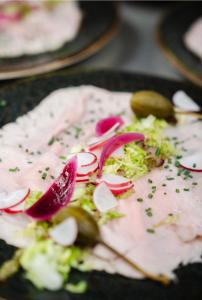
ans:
x=68 y=61
x=173 y=59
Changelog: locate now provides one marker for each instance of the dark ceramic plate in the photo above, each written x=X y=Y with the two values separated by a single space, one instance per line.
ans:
x=99 y=23
x=170 y=34
x=22 y=97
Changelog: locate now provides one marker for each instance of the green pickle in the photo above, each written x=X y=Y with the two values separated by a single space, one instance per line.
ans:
x=145 y=103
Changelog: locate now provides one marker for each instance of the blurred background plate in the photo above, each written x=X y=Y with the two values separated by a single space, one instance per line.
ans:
x=170 y=34
x=98 y=26
x=26 y=94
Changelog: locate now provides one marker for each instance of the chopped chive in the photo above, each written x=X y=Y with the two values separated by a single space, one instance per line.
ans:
x=51 y=141
x=177 y=191
x=150 y=230
x=16 y=169
x=150 y=196
x=139 y=200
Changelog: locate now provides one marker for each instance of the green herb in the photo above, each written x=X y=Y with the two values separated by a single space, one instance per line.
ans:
x=158 y=151
x=150 y=230
x=149 y=212
x=177 y=191
x=62 y=157
x=194 y=183
x=44 y=175
x=78 y=131
x=150 y=181
x=150 y=196
x=51 y=141
x=186 y=190
x=170 y=178
x=16 y=169
x=139 y=200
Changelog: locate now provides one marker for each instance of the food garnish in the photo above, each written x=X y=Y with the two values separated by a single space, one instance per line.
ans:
x=58 y=195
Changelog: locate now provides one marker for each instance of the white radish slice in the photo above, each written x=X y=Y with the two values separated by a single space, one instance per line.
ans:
x=65 y=233
x=121 y=190
x=9 y=200
x=16 y=209
x=99 y=141
x=103 y=199
x=85 y=159
x=84 y=179
x=182 y=101
x=115 y=181
x=87 y=171
x=192 y=162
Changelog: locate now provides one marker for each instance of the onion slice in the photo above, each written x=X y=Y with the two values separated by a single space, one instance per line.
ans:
x=116 y=142
x=103 y=199
x=192 y=162
x=58 y=195
x=10 y=200
x=65 y=233
x=105 y=124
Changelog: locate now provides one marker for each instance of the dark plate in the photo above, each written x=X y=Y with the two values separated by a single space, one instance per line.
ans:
x=22 y=97
x=99 y=24
x=170 y=34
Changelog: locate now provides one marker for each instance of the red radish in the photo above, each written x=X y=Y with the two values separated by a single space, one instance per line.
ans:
x=103 y=198
x=87 y=171
x=84 y=179
x=184 y=102
x=115 y=181
x=85 y=159
x=10 y=200
x=58 y=195
x=116 y=142
x=100 y=141
x=120 y=190
x=192 y=162
x=104 y=125
x=65 y=233
x=16 y=209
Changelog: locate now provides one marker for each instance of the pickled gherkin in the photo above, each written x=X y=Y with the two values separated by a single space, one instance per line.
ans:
x=145 y=103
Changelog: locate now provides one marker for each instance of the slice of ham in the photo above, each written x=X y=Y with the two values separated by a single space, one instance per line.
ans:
x=173 y=212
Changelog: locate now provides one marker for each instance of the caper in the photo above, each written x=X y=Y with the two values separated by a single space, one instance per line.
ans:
x=145 y=103
x=88 y=230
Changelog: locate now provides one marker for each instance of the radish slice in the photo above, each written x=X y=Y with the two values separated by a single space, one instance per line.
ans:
x=192 y=162
x=65 y=233
x=58 y=195
x=85 y=159
x=16 y=209
x=9 y=200
x=120 y=190
x=104 y=125
x=87 y=171
x=84 y=179
x=97 y=142
x=115 y=181
x=116 y=142
x=184 y=102
x=103 y=198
